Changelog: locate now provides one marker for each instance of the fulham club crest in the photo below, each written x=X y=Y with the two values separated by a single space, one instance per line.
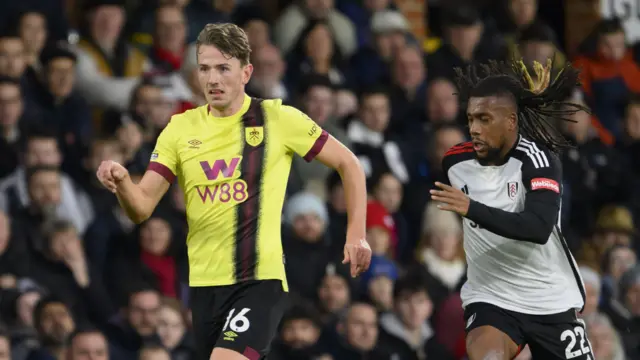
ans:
x=512 y=189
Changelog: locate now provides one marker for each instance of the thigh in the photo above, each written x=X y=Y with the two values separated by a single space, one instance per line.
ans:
x=492 y=333
x=558 y=337
x=207 y=318
x=253 y=318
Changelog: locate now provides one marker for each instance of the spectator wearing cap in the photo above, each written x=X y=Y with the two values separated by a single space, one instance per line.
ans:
x=440 y=255
x=168 y=52
x=108 y=67
x=306 y=242
x=609 y=74
x=316 y=97
x=406 y=331
x=381 y=231
x=593 y=289
x=267 y=80
x=377 y=283
x=66 y=110
x=370 y=65
x=624 y=311
x=465 y=41
x=300 y=330
x=297 y=16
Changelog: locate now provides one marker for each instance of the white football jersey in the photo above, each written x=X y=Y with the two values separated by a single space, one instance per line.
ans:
x=507 y=271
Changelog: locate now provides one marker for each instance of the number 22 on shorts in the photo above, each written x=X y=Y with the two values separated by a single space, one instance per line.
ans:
x=572 y=335
x=237 y=322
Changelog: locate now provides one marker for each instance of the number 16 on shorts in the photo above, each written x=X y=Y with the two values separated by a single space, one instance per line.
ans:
x=578 y=344
x=236 y=322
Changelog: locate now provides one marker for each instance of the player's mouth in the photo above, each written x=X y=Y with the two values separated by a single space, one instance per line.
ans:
x=216 y=92
x=478 y=145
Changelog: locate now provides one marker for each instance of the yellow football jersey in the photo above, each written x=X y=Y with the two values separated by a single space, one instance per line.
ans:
x=234 y=172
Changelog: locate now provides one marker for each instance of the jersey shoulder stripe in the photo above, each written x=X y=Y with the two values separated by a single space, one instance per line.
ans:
x=538 y=157
x=459 y=153
x=460 y=148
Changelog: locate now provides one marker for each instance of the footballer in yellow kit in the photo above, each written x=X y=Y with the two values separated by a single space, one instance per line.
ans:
x=232 y=158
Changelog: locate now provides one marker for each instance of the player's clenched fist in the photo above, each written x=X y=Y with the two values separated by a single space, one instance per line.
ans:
x=358 y=253
x=110 y=174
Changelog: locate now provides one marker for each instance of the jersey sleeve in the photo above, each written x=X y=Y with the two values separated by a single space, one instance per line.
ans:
x=542 y=179
x=164 y=158
x=454 y=155
x=300 y=134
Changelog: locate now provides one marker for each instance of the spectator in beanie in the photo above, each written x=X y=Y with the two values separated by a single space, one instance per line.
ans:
x=88 y=344
x=440 y=254
x=608 y=75
x=334 y=293
x=407 y=331
x=381 y=231
x=371 y=64
x=378 y=283
x=593 y=289
x=300 y=330
x=358 y=335
x=54 y=324
x=306 y=243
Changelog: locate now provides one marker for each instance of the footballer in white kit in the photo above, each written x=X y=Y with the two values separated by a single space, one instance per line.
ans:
x=523 y=284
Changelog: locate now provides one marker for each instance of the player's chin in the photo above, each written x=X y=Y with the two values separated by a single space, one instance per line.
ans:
x=481 y=154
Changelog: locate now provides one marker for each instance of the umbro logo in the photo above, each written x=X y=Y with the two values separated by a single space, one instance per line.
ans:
x=230 y=336
x=194 y=144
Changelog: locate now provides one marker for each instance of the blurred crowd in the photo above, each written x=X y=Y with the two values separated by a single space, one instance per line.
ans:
x=79 y=280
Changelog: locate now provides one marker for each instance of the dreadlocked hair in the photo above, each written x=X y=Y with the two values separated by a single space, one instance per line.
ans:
x=539 y=100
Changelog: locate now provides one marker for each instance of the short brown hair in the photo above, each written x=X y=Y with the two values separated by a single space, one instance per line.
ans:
x=230 y=39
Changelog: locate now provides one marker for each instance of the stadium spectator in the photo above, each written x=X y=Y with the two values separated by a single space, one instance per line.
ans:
x=334 y=293
x=154 y=352
x=258 y=30
x=388 y=191
x=609 y=74
x=604 y=340
x=406 y=331
x=370 y=65
x=358 y=334
x=363 y=15
x=409 y=76
x=108 y=67
x=88 y=344
x=14 y=252
x=55 y=324
x=592 y=285
x=377 y=283
x=624 y=311
x=297 y=16
x=536 y=42
x=13 y=121
x=172 y=330
x=268 y=74
x=32 y=28
x=300 y=331
x=442 y=102
x=5 y=345
x=382 y=233
x=13 y=62
x=440 y=253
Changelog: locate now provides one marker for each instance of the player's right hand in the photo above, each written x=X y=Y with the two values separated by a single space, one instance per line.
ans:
x=110 y=174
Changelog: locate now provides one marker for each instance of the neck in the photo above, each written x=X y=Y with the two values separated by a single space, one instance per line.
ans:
x=106 y=45
x=321 y=66
x=231 y=109
x=510 y=144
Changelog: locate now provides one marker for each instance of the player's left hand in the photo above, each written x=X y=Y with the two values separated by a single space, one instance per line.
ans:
x=452 y=199
x=358 y=253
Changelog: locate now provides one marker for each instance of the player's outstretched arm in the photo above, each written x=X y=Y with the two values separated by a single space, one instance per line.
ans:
x=339 y=157
x=138 y=200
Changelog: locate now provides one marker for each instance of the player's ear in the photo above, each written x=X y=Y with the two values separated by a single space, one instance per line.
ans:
x=513 y=121
x=247 y=70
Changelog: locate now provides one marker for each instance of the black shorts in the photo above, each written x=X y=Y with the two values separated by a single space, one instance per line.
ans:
x=550 y=337
x=243 y=317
